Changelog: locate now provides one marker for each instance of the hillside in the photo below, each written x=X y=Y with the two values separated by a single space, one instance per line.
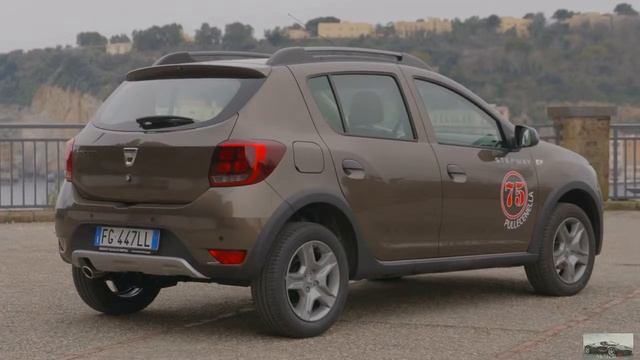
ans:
x=553 y=63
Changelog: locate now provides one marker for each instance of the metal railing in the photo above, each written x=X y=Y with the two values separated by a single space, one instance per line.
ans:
x=32 y=163
x=624 y=159
x=624 y=177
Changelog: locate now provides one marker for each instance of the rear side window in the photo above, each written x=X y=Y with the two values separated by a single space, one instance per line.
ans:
x=370 y=105
x=456 y=120
x=326 y=101
x=202 y=100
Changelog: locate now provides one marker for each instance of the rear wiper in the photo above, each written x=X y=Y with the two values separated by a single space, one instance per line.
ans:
x=163 y=121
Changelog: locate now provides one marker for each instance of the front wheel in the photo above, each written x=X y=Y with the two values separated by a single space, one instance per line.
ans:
x=115 y=294
x=302 y=288
x=567 y=253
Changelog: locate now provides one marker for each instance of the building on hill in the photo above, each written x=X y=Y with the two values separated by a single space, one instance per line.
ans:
x=296 y=34
x=119 y=48
x=432 y=25
x=521 y=26
x=590 y=18
x=344 y=30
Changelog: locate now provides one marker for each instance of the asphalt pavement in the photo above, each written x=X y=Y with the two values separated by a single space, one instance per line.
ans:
x=483 y=314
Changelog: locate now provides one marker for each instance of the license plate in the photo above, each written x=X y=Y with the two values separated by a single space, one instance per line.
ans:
x=127 y=239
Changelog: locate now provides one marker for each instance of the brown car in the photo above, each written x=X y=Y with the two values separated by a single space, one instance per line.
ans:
x=299 y=171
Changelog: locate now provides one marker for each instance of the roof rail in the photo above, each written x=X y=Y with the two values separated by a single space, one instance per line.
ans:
x=302 y=55
x=184 y=57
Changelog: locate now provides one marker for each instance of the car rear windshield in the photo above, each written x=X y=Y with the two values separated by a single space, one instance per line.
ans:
x=195 y=102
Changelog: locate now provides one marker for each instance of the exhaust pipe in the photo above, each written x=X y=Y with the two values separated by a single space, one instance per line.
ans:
x=91 y=273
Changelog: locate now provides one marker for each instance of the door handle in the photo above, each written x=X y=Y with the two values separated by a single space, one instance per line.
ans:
x=456 y=173
x=353 y=169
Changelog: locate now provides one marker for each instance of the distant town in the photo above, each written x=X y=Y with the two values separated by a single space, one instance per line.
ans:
x=333 y=28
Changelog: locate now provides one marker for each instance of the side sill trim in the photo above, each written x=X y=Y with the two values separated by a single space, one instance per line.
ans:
x=445 y=264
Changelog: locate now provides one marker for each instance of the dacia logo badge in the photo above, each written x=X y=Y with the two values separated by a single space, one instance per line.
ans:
x=130 y=155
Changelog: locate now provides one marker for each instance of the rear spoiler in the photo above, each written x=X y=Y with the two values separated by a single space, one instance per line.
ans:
x=191 y=71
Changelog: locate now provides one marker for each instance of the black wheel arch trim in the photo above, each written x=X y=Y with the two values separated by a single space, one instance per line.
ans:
x=257 y=256
x=552 y=201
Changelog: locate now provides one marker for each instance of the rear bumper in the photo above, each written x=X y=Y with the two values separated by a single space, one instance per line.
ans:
x=221 y=218
x=152 y=265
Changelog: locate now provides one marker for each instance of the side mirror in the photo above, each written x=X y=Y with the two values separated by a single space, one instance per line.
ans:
x=526 y=136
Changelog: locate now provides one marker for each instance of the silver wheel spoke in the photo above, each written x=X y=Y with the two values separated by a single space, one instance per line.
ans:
x=569 y=271
x=305 y=304
x=560 y=260
x=326 y=263
x=581 y=258
x=307 y=256
x=326 y=297
x=295 y=281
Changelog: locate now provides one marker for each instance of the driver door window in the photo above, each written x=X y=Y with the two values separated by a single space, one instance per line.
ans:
x=456 y=120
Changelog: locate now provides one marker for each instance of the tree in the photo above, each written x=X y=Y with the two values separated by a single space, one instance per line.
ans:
x=529 y=16
x=122 y=38
x=493 y=22
x=158 y=37
x=538 y=24
x=238 y=36
x=208 y=36
x=562 y=14
x=90 y=38
x=312 y=25
x=625 y=9
x=385 y=31
x=275 y=36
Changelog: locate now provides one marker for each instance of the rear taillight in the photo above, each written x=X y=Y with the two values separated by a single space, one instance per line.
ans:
x=68 y=170
x=237 y=163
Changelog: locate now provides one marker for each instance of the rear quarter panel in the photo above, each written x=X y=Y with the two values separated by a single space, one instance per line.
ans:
x=279 y=112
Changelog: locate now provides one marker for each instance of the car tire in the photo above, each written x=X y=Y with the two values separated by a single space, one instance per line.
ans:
x=103 y=294
x=587 y=350
x=299 y=293
x=550 y=279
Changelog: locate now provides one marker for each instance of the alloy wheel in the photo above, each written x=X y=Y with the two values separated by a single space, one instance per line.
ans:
x=571 y=250
x=312 y=281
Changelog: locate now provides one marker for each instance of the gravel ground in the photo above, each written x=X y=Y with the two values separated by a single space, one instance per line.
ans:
x=483 y=314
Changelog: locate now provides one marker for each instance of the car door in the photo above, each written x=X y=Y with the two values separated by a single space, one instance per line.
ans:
x=387 y=171
x=488 y=189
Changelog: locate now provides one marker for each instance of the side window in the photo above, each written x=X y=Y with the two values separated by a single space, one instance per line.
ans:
x=326 y=101
x=372 y=106
x=456 y=120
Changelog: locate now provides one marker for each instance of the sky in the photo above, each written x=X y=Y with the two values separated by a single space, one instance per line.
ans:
x=27 y=24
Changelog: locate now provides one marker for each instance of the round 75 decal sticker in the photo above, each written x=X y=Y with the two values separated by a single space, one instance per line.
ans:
x=515 y=199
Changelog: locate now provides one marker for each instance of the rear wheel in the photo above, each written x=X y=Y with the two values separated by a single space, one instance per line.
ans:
x=302 y=288
x=115 y=294
x=567 y=253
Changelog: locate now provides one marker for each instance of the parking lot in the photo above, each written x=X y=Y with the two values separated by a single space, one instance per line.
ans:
x=485 y=314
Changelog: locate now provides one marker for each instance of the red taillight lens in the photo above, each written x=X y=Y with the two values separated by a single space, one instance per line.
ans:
x=237 y=163
x=68 y=170
x=229 y=257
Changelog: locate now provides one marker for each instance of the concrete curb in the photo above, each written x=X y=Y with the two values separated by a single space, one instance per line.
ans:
x=28 y=216
x=622 y=205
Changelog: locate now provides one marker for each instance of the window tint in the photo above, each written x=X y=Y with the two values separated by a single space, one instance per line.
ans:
x=372 y=106
x=323 y=96
x=456 y=120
